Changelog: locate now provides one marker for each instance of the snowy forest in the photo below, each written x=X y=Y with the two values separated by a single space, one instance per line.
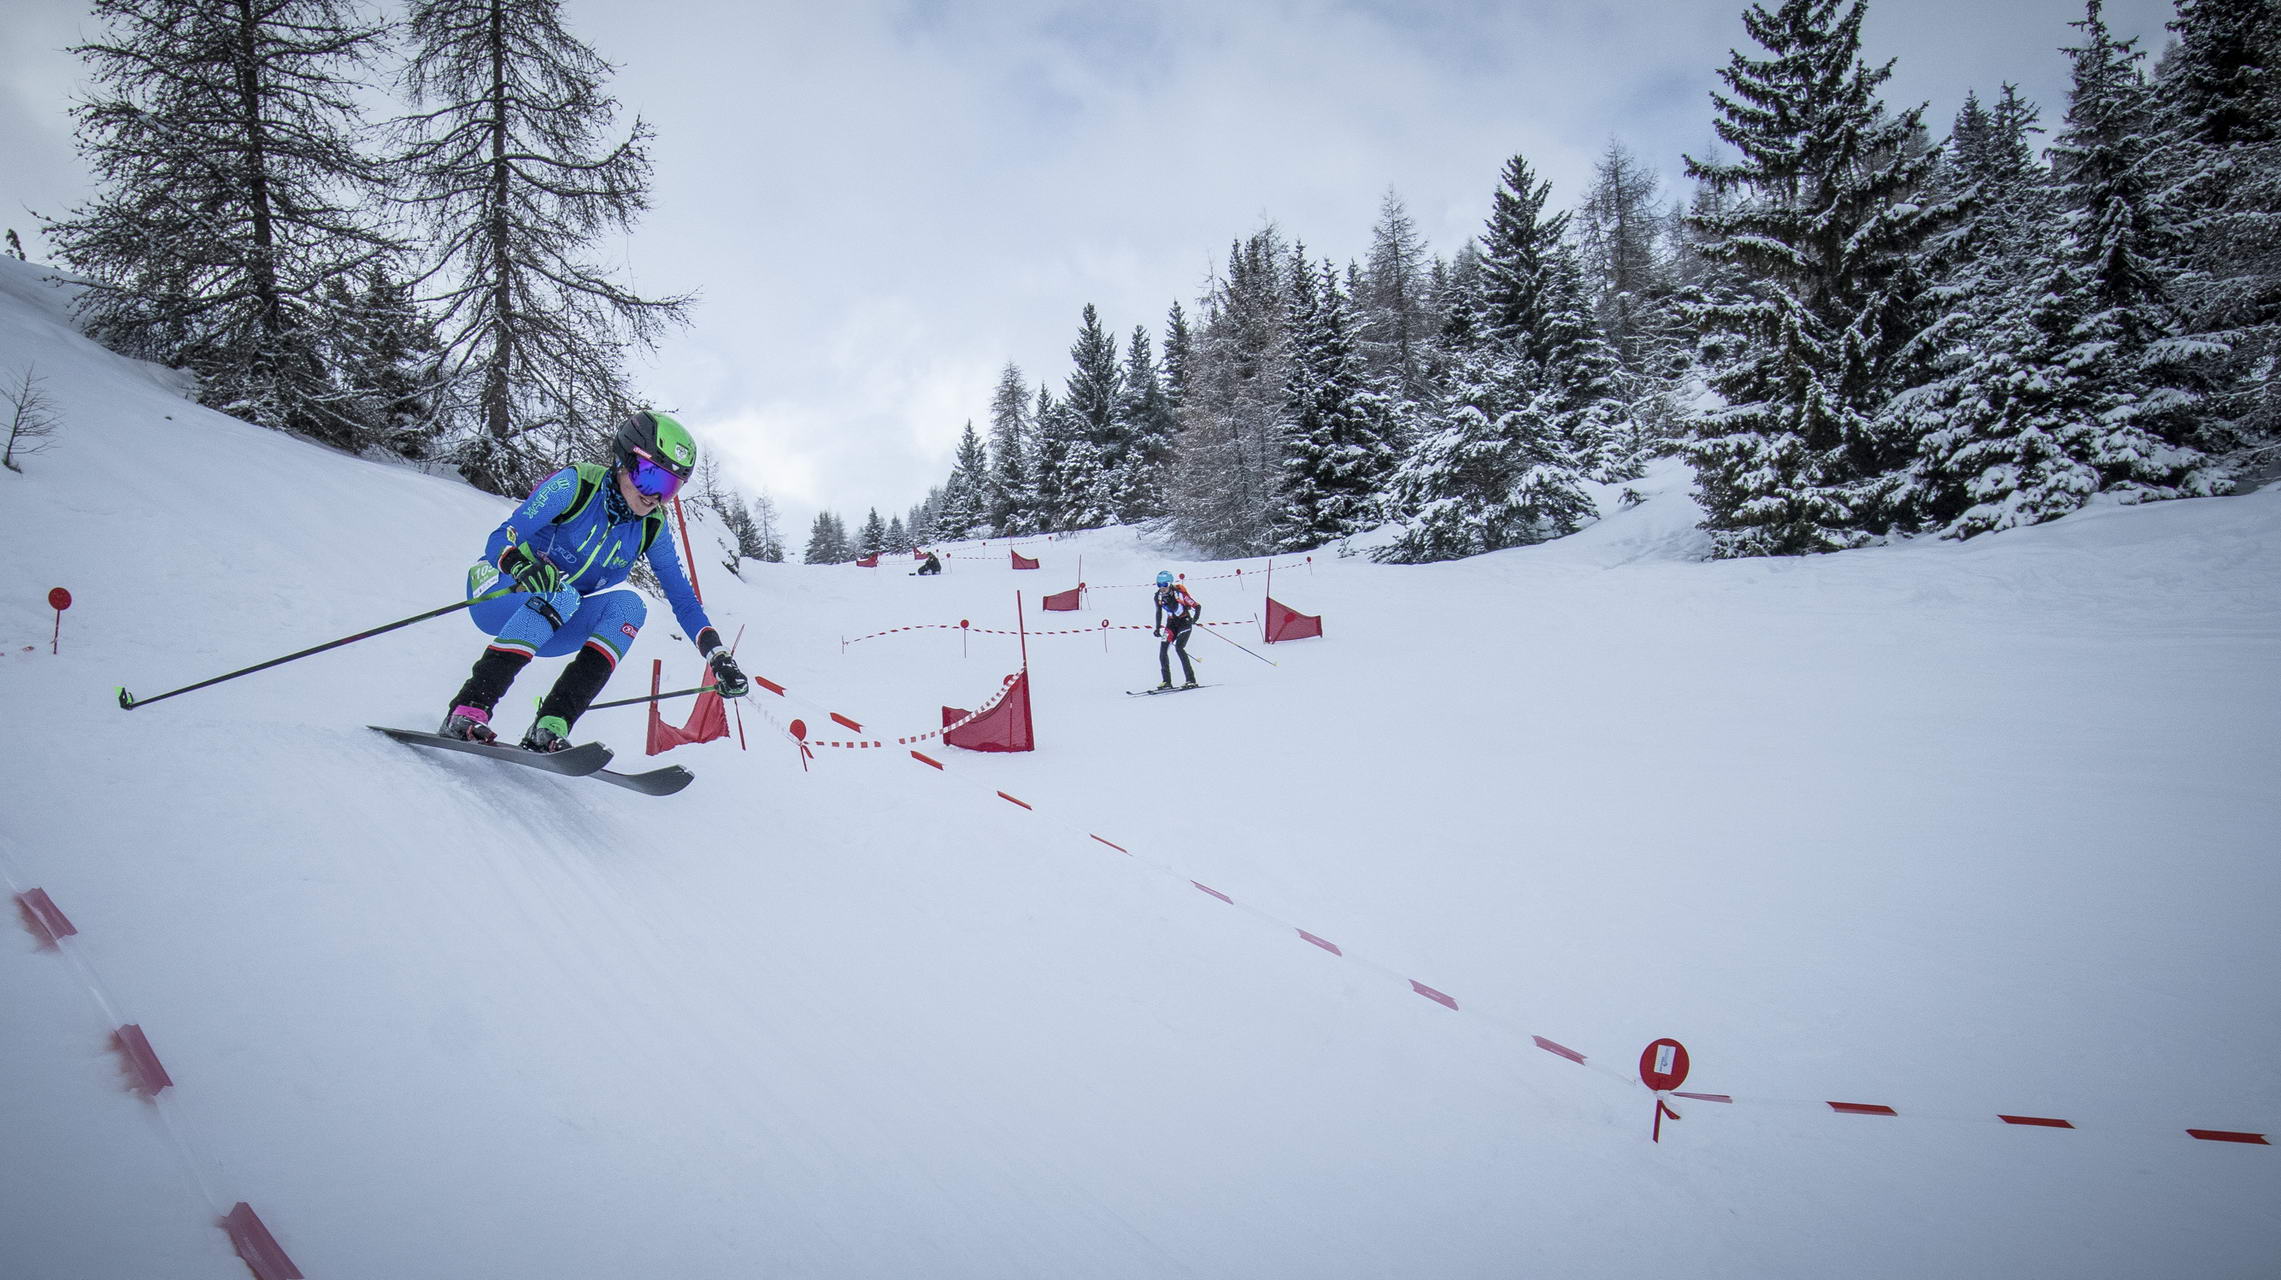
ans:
x=1850 y=328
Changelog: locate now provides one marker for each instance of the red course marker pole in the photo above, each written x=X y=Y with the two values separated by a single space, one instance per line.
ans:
x=58 y=600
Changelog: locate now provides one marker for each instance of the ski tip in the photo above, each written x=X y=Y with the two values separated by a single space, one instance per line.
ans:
x=126 y=699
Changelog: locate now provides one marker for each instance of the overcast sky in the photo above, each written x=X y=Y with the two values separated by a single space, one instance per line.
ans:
x=879 y=204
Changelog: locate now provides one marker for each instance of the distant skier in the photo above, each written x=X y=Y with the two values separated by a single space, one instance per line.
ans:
x=1176 y=612
x=600 y=520
x=931 y=566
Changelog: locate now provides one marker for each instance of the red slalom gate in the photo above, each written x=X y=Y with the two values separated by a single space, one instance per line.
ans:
x=708 y=720
x=1286 y=623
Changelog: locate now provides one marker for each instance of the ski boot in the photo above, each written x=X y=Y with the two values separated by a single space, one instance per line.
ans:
x=1190 y=685
x=468 y=724
x=548 y=734
x=1166 y=687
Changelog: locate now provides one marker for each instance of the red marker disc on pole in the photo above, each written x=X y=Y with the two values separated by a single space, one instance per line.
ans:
x=58 y=600
x=1663 y=1065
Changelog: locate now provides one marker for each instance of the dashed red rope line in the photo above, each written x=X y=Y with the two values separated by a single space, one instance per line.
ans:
x=1104 y=625
x=256 y=1246
x=865 y=744
x=1559 y=1050
x=1447 y=1001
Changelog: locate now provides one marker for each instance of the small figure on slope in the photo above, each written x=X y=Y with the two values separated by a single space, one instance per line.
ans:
x=932 y=565
x=1176 y=612
x=578 y=534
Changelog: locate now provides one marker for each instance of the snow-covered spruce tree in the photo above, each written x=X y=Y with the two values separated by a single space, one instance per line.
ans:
x=871 y=539
x=966 y=495
x=1395 y=330
x=508 y=168
x=1226 y=475
x=2219 y=94
x=954 y=515
x=898 y=537
x=922 y=521
x=1456 y=291
x=1488 y=474
x=2125 y=243
x=2007 y=429
x=1496 y=463
x=1091 y=471
x=1053 y=435
x=1012 y=491
x=1621 y=242
x=1806 y=333
x=1532 y=300
x=1179 y=350
x=827 y=541
x=227 y=236
x=1146 y=411
x=1337 y=422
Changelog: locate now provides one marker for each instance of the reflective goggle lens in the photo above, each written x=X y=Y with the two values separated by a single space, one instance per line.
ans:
x=653 y=479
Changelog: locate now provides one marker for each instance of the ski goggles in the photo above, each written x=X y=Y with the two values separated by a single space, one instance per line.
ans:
x=652 y=479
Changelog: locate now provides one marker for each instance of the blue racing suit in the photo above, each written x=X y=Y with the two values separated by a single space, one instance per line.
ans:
x=595 y=549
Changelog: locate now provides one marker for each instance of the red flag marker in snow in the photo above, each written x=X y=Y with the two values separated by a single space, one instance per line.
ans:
x=58 y=600
x=800 y=737
x=1662 y=1068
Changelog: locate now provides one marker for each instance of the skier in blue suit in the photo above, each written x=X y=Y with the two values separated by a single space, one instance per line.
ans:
x=576 y=536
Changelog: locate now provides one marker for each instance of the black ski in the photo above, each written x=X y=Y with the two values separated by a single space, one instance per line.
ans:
x=582 y=759
x=1150 y=693
x=656 y=782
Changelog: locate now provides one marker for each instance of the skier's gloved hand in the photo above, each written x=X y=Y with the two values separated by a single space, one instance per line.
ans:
x=728 y=680
x=531 y=573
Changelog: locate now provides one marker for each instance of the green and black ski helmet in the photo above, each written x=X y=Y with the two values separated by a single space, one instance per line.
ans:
x=655 y=451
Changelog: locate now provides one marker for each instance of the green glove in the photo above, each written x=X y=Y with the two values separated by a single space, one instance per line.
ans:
x=532 y=573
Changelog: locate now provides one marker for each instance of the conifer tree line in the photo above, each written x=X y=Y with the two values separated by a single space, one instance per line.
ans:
x=1850 y=330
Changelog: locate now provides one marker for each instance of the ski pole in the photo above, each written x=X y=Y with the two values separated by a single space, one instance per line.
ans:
x=1216 y=635
x=650 y=697
x=128 y=701
x=678 y=693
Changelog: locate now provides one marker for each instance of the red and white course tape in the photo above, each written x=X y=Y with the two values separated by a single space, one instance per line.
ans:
x=1548 y=1045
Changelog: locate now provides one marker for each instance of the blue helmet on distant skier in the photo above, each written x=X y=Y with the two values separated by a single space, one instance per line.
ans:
x=1164 y=577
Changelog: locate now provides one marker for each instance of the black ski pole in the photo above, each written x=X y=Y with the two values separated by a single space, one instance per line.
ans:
x=650 y=697
x=128 y=701
x=679 y=693
x=1269 y=661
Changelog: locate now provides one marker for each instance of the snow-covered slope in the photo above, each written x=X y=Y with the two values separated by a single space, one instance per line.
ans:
x=1957 y=830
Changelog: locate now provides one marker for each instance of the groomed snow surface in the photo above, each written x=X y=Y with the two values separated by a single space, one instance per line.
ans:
x=1959 y=830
